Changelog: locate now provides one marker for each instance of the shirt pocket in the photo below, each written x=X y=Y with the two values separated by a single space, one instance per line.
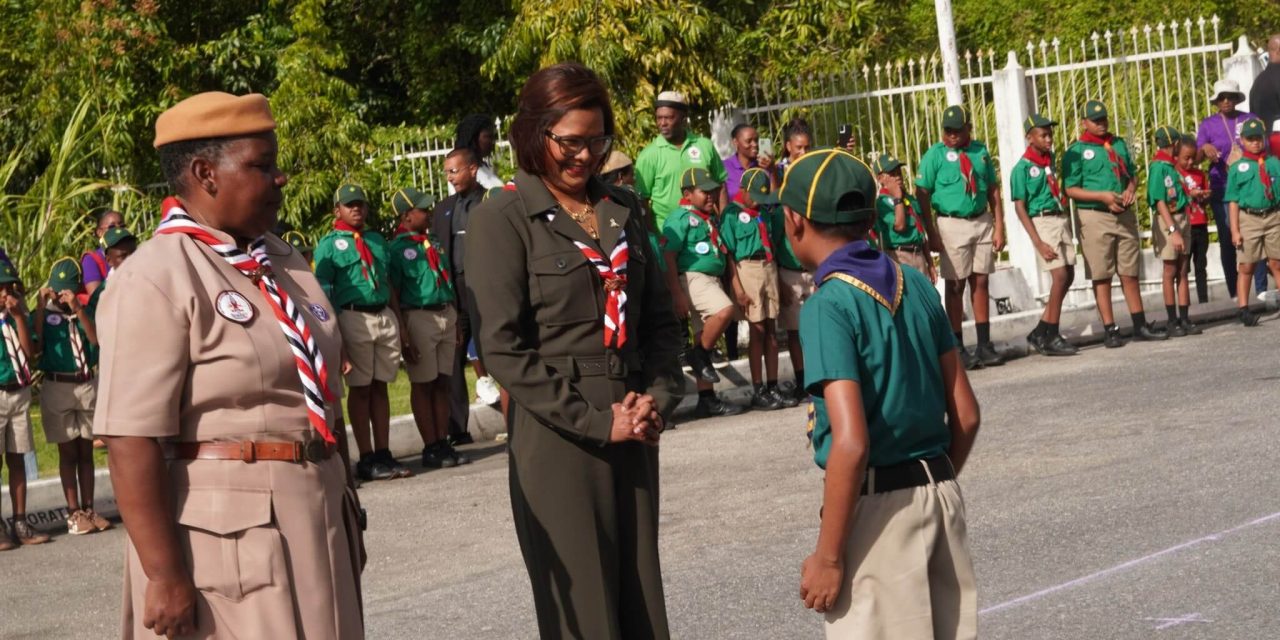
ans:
x=348 y=257
x=232 y=546
x=566 y=291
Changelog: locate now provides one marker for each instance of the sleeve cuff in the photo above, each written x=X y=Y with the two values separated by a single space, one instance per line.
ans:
x=599 y=426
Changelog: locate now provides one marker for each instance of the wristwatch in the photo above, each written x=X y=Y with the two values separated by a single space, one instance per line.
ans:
x=893 y=202
x=1173 y=228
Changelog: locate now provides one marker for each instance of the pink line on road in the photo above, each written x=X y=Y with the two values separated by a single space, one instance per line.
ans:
x=1213 y=537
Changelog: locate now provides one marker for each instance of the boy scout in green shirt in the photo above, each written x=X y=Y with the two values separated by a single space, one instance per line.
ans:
x=1170 y=231
x=899 y=227
x=696 y=257
x=958 y=184
x=1039 y=201
x=748 y=225
x=1100 y=177
x=17 y=348
x=351 y=265
x=894 y=421
x=66 y=339
x=428 y=321
x=1253 y=198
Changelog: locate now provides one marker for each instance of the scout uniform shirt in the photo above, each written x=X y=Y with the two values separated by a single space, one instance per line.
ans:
x=12 y=359
x=1092 y=167
x=786 y=257
x=890 y=346
x=420 y=272
x=1037 y=187
x=1164 y=184
x=660 y=165
x=345 y=276
x=693 y=237
x=57 y=352
x=1249 y=189
x=957 y=179
x=748 y=233
x=886 y=237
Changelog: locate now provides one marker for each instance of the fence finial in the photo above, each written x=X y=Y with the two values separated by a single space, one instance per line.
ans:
x=1013 y=61
x=1244 y=49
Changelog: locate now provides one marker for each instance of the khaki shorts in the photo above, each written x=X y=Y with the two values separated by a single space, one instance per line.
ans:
x=1160 y=240
x=372 y=342
x=760 y=280
x=1110 y=242
x=801 y=286
x=706 y=295
x=1055 y=231
x=1261 y=235
x=15 y=421
x=66 y=410
x=918 y=260
x=908 y=569
x=966 y=246
x=435 y=335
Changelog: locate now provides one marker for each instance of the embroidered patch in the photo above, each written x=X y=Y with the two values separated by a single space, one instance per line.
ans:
x=702 y=248
x=1168 y=181
x=744 y=218
x=1088 y=154
x=1035 y=172
x=1170 y=194
x=53 y=319
x=952 y=156
x=693 y=221
x=1244 y=168
x=341 y=244
x=695 y=154
x=319 y=312
x=234 y=307
x=410 y=254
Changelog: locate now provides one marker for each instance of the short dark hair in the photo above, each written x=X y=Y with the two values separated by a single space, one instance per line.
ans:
x=467 y=133
x=738 y=129
x=796 y=126
x=102 y=213
x=127 y=244
x=846 y=230
x=546 y=97
x=471 y=156
x=176 y=157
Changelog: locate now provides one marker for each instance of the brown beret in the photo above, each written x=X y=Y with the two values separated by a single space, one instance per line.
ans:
x=214 y=115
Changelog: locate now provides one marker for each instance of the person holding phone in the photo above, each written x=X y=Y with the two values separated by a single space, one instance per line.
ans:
x=748 y=154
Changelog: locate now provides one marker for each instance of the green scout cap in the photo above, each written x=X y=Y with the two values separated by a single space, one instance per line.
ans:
x=1036 y=120
x=410 y=198
x=698 y=178
x=348 y=193
x=755 y=183
x=955 y=117
x=116 y=235
x=1095 y=110
x=1166 y=136
x=8 y=273
x=65 y=275
x=886 y=163
x=1253 y=128
x=829 y=186
x=297 y=241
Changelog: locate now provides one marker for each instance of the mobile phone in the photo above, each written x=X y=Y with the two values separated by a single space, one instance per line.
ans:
x=766 y=146
x=846 y=134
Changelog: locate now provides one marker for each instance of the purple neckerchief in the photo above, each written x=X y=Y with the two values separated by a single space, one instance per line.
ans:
x=861 y=261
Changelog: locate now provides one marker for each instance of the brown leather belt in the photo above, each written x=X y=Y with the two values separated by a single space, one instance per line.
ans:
x=70 y=378
x=910 y=248
x=249 y=451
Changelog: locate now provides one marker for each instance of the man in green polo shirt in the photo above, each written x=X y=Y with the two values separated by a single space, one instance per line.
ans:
x=351 y=265
x=893 y=416
x=1253 y=201
x=899 y=227
x=958 y=183
x=1099 y=175
x=660 y=165
x=1040 y=203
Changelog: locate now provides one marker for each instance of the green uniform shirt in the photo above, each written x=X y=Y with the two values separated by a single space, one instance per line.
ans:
x=689 y=237
x=7 y=374
x=659 y=166
x=782 y=251
x=339 y=270
x=847 y=335
x=1089 y=167
x=412 y=276
x=741 y=230
x=55 y=345
x=886 y=237
x=1244 y=186
x=1030 y=184
x=941 y=176
x=1164 y=184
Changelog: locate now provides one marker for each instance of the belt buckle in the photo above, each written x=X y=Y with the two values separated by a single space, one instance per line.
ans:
x=313 y=451
x=247 y=451
x=615 y=366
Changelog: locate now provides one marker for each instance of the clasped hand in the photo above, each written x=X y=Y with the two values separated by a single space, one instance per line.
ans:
x=636 y=419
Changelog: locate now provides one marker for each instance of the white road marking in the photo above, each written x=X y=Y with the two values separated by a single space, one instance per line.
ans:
x=1165 y=623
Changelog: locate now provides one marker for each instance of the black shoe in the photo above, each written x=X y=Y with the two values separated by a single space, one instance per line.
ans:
x=457 y=458
x=700 y=362
x=1113 y=339
x=436 y=457
x=1248 y=318
x=799 y=395
x=714 y=406
x=1190 y=327
x=718 y=356
x=1175 y=330
x=398 y=469
x=764 y=401
x=987 y=353
x=373 y=468
x=1037 y=341
x=786 y=401
x=1058 y=346
x=459 y=439
x=970 y=360
x=1148 y=333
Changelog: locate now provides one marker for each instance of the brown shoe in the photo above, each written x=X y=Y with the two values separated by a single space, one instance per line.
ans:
x=99 y=523
x=25 y=534
x=78 y=523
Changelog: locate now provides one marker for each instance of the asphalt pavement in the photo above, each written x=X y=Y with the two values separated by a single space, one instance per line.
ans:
x=1125 y=493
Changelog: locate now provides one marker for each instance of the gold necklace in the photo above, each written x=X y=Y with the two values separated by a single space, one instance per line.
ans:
x=585 y=219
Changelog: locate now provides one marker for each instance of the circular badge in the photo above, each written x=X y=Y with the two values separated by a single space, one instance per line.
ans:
x=341 y=244
x=53 y=319
x=1244 y=168
x=702 y=248
x=1088 y=154
x=1035 y=172
x=410 y=254
x=234 y=307
x=1168 y=181
x=693 y=221
x=319 y=312
x=744 y=218
x=952 y=156
x=695 y=154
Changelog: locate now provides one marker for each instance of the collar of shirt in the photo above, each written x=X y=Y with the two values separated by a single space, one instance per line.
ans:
x=689 y=139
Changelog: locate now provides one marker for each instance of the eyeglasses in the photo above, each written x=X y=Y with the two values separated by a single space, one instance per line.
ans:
x=571 y=146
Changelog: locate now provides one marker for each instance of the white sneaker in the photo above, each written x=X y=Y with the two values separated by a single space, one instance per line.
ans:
x=487 y=390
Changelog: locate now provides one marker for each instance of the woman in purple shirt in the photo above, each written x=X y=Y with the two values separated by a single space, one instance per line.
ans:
x=1216 y=137
x=93 y=264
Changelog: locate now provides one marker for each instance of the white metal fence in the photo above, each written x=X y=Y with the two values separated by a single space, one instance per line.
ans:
x=421 y=163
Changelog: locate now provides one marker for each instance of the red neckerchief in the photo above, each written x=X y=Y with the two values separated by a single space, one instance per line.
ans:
x=433 y=254
x=741 y=200
x=362 y=248
x=706 y=219
x=1122 y=173
x=400 y=229
x=966 y=169
x=911 y=211
x=1261 y=159
x=1193 y=208
x=613 y=278
x=1044 y=161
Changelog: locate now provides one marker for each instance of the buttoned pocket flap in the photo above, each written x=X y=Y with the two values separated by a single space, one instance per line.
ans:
x=224 y=511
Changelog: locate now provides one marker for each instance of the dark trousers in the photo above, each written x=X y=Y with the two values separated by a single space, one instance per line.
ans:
x=459 y=399
x=1200 y=260
x=1228 y=248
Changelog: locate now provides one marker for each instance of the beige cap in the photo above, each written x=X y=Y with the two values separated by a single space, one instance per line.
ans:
x=617 y=160
x=1229 y=86
x=214 y=115
x=673 y=99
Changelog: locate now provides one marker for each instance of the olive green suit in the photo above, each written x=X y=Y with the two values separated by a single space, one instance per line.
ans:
x=586 y=511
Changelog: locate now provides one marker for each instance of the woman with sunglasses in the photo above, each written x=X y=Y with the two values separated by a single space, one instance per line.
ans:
x=573 y=319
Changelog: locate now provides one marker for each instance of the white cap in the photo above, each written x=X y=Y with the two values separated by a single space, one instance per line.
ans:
x=1226 y=85
x=673 y=99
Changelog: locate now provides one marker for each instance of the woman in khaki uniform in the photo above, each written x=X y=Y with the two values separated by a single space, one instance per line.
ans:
x=241 y=523
x=574 y=321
